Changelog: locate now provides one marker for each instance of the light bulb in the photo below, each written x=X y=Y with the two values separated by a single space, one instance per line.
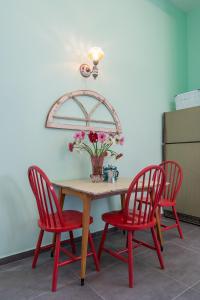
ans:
x=95 y=54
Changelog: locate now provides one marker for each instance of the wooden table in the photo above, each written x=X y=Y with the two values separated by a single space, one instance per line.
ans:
x=88 y=191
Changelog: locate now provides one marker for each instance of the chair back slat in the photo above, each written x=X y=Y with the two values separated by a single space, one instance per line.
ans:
x=45 y=202
x=143 y=195
x=51 y=206
x=34 y=183
x=49 y=209
x=142 y=198
x=147 y=200
x=174 y=178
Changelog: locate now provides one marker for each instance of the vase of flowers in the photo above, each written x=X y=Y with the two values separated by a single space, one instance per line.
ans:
x=98 y=146
x=97 y=168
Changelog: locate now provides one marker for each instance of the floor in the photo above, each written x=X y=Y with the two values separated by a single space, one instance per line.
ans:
x=180 y=280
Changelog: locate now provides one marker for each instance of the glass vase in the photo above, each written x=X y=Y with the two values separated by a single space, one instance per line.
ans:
x=97 y=168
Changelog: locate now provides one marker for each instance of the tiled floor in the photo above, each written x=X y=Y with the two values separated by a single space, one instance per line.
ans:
x=180 y=280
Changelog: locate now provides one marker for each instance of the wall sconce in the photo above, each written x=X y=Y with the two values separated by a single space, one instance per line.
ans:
x=95 y=54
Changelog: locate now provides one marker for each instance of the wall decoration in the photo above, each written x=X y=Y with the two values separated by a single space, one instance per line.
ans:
x=88 y=118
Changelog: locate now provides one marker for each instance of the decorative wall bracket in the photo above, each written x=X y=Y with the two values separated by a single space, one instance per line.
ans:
x=60 y=121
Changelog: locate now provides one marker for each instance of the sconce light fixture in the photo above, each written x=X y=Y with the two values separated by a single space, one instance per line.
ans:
x=95 y=54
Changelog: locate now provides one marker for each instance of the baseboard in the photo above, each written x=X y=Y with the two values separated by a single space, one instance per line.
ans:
x=25 y=254
x=183 y=217
x=15 y=257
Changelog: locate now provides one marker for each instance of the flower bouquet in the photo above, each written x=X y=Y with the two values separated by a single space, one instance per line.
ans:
x=98 y=146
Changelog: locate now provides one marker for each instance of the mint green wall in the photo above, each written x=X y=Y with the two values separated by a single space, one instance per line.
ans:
x=42 y=44
x=193 y=25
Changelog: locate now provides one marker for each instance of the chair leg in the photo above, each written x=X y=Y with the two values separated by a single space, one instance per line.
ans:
x=177 y=222
x=56 y=262
x=72 y=242
x=157 y=246
x=37 y=249
x=102 y=241
x=130 y=258
x=91 y=243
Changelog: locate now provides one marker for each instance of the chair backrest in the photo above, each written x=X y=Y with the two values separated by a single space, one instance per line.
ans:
x=143 y=195
x=174 y=176
x=49 y=209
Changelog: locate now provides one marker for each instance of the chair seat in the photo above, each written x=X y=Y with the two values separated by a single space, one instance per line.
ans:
x=167 y=202
x=72 y=220
x=116 y=218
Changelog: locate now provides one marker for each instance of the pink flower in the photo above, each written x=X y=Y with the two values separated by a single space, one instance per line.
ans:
x=82 y=135
x=102 y=136
x=71 y=147
x=121 y=141
x=78 y=135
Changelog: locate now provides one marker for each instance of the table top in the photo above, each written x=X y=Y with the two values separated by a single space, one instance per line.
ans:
x=96 y=189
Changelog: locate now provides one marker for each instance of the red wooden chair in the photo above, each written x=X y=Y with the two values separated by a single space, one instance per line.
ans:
x=174 y=176
x=138 y=214
x=53 y=219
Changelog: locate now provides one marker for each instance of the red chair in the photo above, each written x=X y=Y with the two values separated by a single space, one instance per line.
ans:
x=174 y=176
x=141 y=202
x=53 y=219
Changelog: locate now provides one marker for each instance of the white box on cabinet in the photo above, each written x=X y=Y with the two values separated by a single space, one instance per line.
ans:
x=189 y=99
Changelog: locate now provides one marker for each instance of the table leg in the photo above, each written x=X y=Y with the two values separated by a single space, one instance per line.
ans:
x=85 y=232
x=61 y=199
x=158 y=225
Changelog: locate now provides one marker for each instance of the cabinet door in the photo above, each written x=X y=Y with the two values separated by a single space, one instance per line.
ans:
x=188 y=156
x=182 y=126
